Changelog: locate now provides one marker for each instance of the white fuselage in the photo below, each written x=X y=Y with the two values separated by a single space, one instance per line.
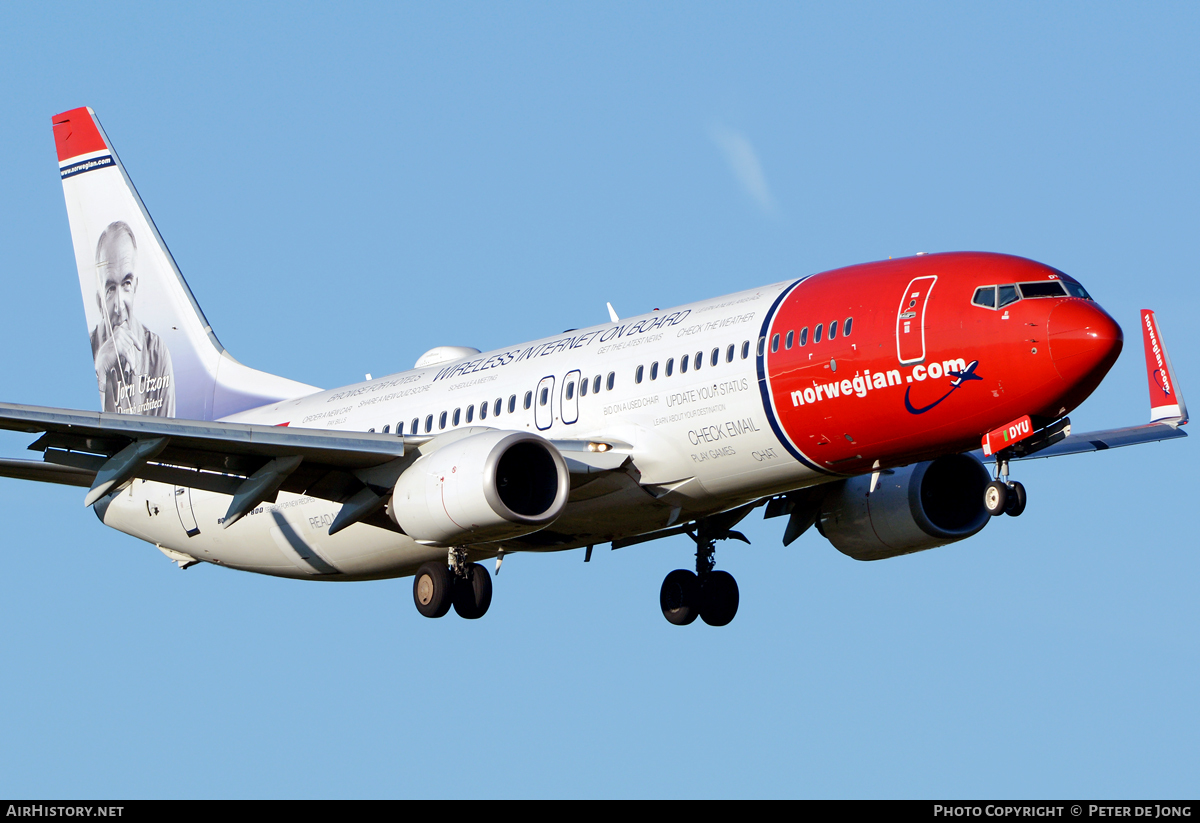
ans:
x=700 y=442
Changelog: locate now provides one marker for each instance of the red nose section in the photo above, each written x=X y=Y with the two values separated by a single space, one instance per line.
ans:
x=1084 y=342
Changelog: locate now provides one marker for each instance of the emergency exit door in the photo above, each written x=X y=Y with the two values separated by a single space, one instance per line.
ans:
x=183 y=506
x=543 y=404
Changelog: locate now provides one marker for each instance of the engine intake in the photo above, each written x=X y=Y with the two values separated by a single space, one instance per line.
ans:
x=486 y=487
x=917 y=507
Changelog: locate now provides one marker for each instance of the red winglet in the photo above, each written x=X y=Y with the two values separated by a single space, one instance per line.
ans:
x=75 y=133
x=1006 y=435
x=1165 y=401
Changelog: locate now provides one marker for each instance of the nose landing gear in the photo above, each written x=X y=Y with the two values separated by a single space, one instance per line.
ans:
x=710 y=595
x=1003 y=496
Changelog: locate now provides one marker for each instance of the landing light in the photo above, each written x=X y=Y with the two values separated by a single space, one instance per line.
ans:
x=599 y=447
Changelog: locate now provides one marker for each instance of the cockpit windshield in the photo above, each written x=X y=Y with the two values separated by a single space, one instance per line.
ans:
x=1046 y=288
x=997 y=297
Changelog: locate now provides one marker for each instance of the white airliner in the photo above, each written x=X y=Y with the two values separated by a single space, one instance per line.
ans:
x=862 y=401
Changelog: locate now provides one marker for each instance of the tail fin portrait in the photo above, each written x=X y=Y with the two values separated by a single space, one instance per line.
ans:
x=154 y=352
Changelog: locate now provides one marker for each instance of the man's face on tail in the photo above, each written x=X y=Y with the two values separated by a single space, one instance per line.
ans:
x=118 y=279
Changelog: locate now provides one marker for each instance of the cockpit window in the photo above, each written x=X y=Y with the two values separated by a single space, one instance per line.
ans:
x=985 y=297
x=1008 y=294
x=1076 y=290
x=1046 y=288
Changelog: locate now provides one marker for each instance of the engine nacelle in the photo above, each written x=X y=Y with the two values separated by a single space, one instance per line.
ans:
x=917 y=507
x=491 y=486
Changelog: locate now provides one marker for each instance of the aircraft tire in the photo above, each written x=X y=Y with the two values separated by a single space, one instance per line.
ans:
x=473 y=593
x=433 y=589
x=719 y=598
x=995 y=497
x=679 y=597
x=1016 y=500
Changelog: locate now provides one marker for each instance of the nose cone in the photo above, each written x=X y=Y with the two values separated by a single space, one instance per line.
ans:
x=1084 y=342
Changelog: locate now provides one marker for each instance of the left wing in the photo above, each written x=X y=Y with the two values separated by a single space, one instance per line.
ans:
x=104 y=451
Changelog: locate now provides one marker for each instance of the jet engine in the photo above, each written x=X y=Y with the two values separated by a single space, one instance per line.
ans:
x=490 y=486
x=913 y=508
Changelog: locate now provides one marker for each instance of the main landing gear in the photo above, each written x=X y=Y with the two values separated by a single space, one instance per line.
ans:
x=1003 y=496
x=710 y=595
x=466 y=586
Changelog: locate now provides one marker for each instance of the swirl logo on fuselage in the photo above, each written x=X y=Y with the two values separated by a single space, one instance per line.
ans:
x=960 y=377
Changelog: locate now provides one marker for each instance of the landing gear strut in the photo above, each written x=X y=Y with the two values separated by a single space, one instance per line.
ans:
x=467 y=586
x=710 y=595
x=1003 y=496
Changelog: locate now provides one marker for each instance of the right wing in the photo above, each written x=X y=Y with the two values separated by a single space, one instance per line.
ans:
x=1168 y=411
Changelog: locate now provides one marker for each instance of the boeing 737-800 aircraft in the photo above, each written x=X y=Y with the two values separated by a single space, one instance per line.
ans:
x=863 y=401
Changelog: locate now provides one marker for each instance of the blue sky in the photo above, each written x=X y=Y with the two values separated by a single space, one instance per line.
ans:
x=347 y=187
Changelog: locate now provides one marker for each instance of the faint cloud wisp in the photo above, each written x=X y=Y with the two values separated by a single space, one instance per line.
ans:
x=743 y=161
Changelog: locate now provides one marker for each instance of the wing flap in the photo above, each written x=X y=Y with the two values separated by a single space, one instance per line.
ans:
x=46 y=472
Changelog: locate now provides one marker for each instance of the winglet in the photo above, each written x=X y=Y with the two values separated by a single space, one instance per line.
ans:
x=1166 y=401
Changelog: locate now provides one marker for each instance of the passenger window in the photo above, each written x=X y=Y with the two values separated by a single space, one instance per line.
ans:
x=442 y=420
x=1008 y=296
x=817 y=333
x=670 y=366
x=762 y=345
x=774 y=344
x=387 y=427
x=457 y=416
x=729 y=353
x=483 y=410
x=583 y=387
x=637 y=375
x=596 y=385
x=846 y=327
x=715 y=357
x=471 y=413
x=545 y=396
x=612 y=380
x=429 y=424
x=804 y=336
x=571 y=390
x=985 y=297
x=415 y=426
x=512 y=404
x=654 y=370
x=683 y=363
x=371 y=430
x=698 y=362
x=833 y=330
x=787 y=342
x=528 y=400
x=745 y=349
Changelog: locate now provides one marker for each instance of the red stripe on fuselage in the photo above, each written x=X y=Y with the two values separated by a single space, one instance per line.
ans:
x=849 y=401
